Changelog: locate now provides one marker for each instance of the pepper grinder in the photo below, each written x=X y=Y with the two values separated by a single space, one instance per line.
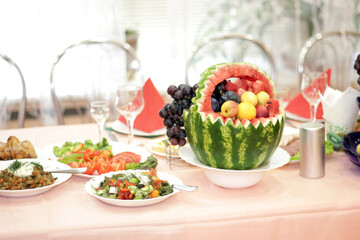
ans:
x=312 y=150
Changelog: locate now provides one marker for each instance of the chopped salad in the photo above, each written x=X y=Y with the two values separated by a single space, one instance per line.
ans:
x=133 y=185
x=98 y=157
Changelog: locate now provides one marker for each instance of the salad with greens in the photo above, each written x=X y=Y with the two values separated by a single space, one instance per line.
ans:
x=68 y=147
x=133 y=185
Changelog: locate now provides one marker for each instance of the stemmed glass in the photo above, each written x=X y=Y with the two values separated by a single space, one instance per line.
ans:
x=130 y=103
x=100 y=111
x=312 y=85
x=283 y=95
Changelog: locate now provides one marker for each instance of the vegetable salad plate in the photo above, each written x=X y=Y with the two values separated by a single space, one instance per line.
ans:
x=47 y=165
x=95 y=182
x=122 y=128
x=116 y=148
x=236 y=179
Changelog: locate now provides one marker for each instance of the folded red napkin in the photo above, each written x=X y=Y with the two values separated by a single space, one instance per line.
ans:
x=149 y=119
x=299 y=106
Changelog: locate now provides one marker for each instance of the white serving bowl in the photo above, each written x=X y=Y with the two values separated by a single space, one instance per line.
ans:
x=236 y=179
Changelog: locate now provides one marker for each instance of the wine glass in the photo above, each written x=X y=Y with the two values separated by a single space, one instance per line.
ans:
x=100 y=111
x=283 y=95
x=312 y=85
x=130 y=103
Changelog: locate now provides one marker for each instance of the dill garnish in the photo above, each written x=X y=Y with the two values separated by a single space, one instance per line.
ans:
x=37 y=165
x=14 y=166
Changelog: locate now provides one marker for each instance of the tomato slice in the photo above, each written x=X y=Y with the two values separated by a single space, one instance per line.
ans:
x=76 y=165
x=152 y=172
x=102 y=153
x=91 y=167
x=128 y=157
x=118 y=166
x=103 y=166
x=86 y=155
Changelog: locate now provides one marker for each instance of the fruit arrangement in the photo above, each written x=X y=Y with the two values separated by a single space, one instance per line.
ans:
x=234 y=122
x=243 y=99
x=172 y=113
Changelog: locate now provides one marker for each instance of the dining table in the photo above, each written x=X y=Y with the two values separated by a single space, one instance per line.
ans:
x=283 y=205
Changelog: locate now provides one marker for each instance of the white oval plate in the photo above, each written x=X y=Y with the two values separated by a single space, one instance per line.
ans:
x=47 y=165
x=229 y=178
x=156 y=143
x=117 y=147
x=122 y=128
x=95 y=182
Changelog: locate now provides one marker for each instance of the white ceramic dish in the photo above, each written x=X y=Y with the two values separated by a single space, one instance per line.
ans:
x=236 y=178
x=122 y=128
x=94 y=182
x=47 y=165
x=117 y=147
x=296 y=117
x=157 y=144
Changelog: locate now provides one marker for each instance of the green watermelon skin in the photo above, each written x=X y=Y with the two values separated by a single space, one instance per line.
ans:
x=221 y=142
x=228 y=146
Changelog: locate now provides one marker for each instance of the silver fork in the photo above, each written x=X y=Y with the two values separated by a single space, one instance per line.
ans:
x=187 y=188
x=72 y=170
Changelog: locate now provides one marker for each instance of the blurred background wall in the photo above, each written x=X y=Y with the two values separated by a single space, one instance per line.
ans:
x=163 y=32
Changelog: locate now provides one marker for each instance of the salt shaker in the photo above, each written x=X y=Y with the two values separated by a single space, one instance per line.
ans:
x=312 y=150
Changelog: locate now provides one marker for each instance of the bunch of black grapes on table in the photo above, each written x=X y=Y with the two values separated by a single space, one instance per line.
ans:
x=357 y=67
x=172 y=113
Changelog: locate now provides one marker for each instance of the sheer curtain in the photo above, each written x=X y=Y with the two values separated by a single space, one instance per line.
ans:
x=34 y=32
x=167 y=31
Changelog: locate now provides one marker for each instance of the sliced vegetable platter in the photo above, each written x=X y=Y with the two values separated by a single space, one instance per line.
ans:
x=99 y=156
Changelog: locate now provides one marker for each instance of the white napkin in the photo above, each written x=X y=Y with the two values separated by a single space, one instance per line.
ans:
x=289 y=134
x=340 y=108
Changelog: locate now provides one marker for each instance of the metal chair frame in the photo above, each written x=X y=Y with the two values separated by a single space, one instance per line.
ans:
x=314 y=40
x=23 y=100
x=246 y=37
x=124 y=46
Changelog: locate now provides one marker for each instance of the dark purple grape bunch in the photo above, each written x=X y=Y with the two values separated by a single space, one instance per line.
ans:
x=357 y=67
x=172 y=113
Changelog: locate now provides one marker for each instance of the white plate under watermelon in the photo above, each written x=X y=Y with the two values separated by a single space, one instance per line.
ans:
x=236 y=178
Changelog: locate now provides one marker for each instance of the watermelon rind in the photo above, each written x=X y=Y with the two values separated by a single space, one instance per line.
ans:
x=228 y=146
x=221 y=142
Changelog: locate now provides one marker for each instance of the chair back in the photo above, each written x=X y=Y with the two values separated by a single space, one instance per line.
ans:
x=91 y=70
x=336 y=50
x=12 y=93
x=228 y=48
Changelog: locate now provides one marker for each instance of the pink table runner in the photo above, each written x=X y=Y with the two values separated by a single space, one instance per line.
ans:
x=282 y=206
